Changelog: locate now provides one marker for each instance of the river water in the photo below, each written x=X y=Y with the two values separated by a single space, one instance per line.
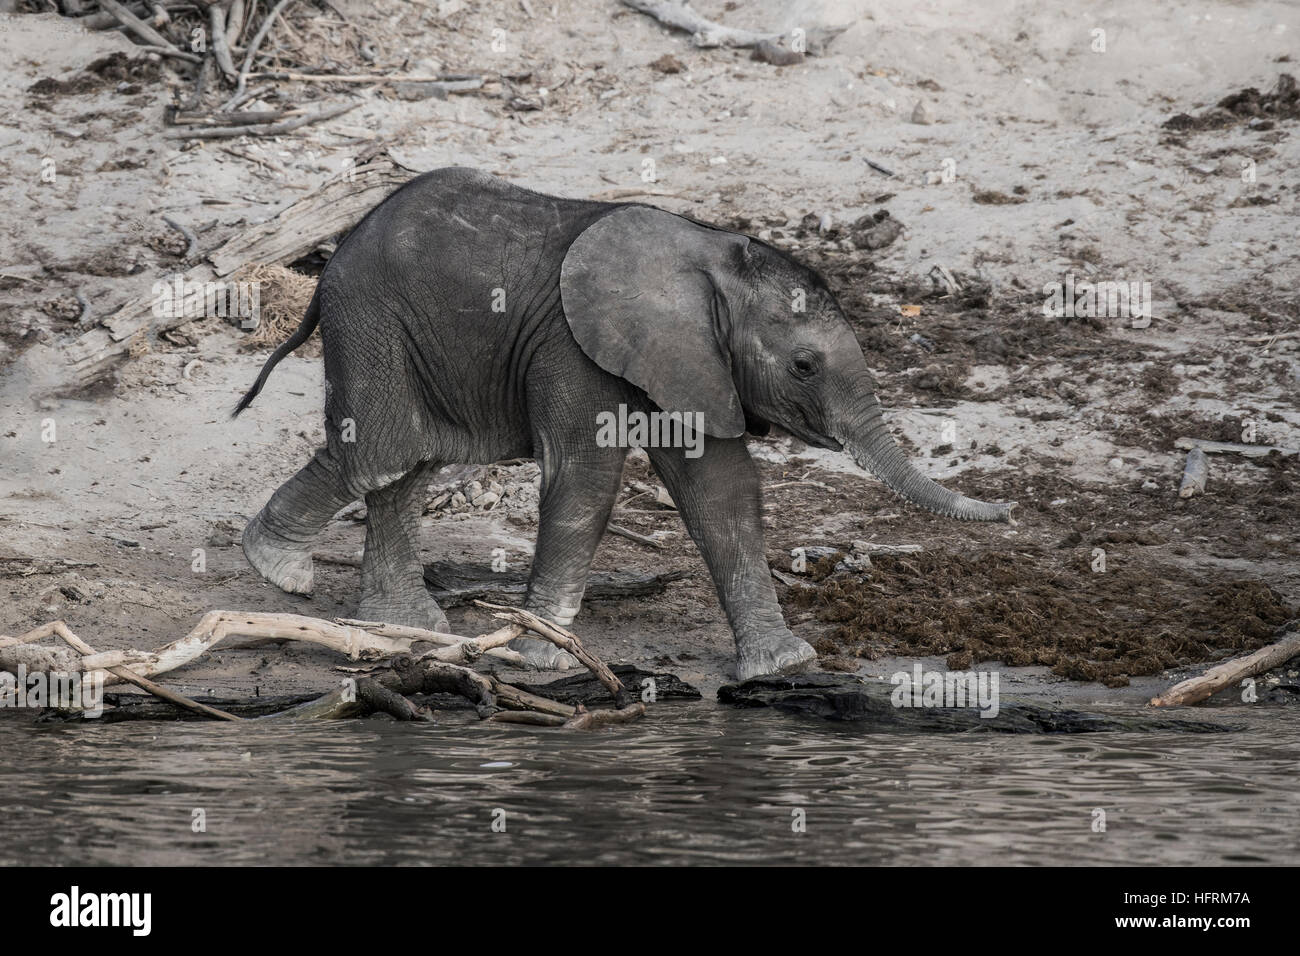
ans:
x=692 y=783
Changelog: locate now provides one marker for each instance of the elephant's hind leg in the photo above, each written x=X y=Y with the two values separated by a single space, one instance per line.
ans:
x=392 y=576
x=277 y=542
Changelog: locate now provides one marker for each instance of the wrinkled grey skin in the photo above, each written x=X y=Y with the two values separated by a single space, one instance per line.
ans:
x=604 y=304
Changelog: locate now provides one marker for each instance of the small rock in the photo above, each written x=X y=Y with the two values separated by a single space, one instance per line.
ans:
x=1116 y=463
x=667 y=64
x=921 y=114
x=771 y=51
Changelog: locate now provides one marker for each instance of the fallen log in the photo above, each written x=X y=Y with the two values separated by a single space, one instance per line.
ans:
x=454 y=583
x=1235 y=448
x=335 y=207
x=1196 y=689
x=595 y=719
x=587 y=690
x=125 y=707
x=868 y=705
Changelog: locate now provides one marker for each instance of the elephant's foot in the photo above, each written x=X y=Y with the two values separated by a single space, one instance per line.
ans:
x=543 y=655
x=778 y=652
x=285 y=564
x=415 y=610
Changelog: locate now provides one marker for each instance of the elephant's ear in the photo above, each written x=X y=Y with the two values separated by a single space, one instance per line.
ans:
x=640 y=289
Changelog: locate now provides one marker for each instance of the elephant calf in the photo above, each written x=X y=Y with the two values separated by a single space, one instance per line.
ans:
x=469 y=320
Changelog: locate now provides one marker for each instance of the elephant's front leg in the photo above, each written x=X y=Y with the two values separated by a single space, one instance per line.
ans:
x=392 y=576
x=578 y=492
x=720 y=499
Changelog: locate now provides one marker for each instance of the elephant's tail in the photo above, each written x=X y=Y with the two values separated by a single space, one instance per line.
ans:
x=300 y=335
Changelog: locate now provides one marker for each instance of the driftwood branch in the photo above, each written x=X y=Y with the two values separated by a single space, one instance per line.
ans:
x=1223 y=675
x=565 y=640
x=593 y=719
x=439 y=670
x=268 y=129
x=20 y=651
x=241 y=81
x=137 y=26
x=1228 y=447
x=217 y=17
x=704 y=32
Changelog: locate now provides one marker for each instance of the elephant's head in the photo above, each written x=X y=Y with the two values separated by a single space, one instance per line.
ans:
x=706 y=320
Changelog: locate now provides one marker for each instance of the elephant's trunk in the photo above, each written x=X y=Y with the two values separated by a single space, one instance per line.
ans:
x=865 y=437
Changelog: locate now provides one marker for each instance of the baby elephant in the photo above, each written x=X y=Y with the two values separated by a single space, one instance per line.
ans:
x=469 y=320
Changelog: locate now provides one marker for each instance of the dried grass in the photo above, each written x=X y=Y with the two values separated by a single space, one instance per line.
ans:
x=283 y=298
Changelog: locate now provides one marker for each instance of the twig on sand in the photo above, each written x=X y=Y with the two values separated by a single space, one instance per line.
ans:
x=189 y=236
x=877 y=167
x=268 y=129
x=633 y=536
x=137 y=26
x=452 y=83
x=1223 y=675
x=86 y=311
x=627 y=192
x=242 y=80
x=217 y=17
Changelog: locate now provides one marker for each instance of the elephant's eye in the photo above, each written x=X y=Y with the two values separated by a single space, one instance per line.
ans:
x=803 y=366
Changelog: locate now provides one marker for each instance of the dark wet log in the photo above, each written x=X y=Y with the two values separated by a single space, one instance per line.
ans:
x=595 y=719
x=385 y=701
x=123 y=707
x=587 y=690
x=454 y=582
x=338 y=705
x=529 y=717
x=517 y=698
x=423 y=675
x=870 y=707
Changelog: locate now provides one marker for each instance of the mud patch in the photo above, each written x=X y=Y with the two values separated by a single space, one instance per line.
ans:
x=111 y=70
x=1248 y=105
x=1040 y=608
